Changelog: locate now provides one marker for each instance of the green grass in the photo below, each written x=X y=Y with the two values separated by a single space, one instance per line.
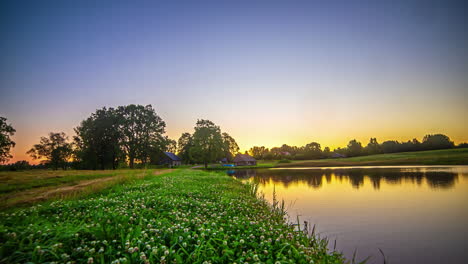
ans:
x=12 y=181
x=33 y=186
x=187 y=216
x=431 y=157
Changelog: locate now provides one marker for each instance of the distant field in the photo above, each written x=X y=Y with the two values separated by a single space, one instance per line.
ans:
x=32 y=186
x=431 y=157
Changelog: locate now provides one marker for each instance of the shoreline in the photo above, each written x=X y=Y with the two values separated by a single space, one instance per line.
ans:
x=186 y=216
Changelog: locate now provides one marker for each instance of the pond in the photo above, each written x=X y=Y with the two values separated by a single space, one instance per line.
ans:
x=414 y=214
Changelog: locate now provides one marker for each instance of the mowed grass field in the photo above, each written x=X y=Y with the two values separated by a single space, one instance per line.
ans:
x=182 y=216
x=431 y=157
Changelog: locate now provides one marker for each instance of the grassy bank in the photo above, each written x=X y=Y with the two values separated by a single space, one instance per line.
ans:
x=431 y=157
x=187 y=216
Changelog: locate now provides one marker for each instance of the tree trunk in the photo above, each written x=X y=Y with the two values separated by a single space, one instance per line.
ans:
x=132 y=159
x=206 y=165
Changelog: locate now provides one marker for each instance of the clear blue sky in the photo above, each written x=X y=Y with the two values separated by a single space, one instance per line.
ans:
x=268 y=72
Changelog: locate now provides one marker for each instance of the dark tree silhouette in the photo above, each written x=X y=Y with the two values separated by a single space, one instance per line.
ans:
x=97 y=140
x=55 y=149
x=142 y=132
x=6 y=131
x=437 y=141
x=230 y=147
x=184 y=144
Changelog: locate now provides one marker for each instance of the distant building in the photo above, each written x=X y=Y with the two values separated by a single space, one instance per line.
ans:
x=336 y=155
x=170 y=159
x=244 y=160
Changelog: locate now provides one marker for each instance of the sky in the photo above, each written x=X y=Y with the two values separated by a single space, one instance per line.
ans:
x=268 y=72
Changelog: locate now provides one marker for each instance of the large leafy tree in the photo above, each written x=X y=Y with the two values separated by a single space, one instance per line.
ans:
x=6 y=131
x=354 y=148
x=142 y=132
x=184 y=144
x=230 y=146
x=208 y=145
x=98 y=140
x=373 y=147
x=258 y=152
x=171 y=145
x=437 y=141
x=312 y=150
x=55 y=149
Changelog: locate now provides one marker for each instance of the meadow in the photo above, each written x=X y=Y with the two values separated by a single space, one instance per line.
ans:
x=183 y=216
x=19 y=188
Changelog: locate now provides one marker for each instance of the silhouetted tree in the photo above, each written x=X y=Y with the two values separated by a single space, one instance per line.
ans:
x=258 y=152
x=55 y=149
x=354 y=148
x=208 y=145
x=312 y=150
x=171 y=145
x=326 y=152
x=6 y=131
x=97 y=140
x=230 y=148
x=184 y=144
x=390 y=146
x=373 y=147
x=142 y=132
x=437 y=141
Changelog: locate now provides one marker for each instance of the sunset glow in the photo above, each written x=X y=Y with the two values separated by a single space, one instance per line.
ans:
x=268 y=75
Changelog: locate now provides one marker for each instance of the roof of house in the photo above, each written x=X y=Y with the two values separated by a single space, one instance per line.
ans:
x=172 y=156
x=243 y=157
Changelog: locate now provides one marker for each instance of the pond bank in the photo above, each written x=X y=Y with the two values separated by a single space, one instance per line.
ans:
x=187 y=216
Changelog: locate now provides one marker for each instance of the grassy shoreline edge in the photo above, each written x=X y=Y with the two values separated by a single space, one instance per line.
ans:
x=427 y=157
x=185 y=216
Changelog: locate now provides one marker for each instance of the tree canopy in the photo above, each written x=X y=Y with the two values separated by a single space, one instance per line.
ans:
x=6 y=131
x=142 y=132
x=208 y=145
x=55 y=149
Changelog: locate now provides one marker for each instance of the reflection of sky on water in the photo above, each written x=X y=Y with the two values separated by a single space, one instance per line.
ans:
x=414 y=214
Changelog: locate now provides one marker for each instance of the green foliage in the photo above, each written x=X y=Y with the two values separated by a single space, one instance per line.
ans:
x=259 y=152
x=184 y=217
x=55 y=149
x=142 y=132
x=208 y=145
x=437 y=141
x=98 y=139
x=230 y=147
x=184 y=144
x=6 y=131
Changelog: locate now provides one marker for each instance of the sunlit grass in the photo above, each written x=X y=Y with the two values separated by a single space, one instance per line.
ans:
x=431 y=157
x=187 y=216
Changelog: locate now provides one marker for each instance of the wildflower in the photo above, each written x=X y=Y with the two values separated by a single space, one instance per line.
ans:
x=90 y=260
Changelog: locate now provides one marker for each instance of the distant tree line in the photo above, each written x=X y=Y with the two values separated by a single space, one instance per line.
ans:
x=354 y=148
x=134 y=135
x=119 y=137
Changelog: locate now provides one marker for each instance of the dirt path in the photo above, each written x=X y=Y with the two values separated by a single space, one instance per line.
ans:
x=82 y=187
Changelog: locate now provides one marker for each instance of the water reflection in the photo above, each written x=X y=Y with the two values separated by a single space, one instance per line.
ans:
x=414 y=214
x=435 y=178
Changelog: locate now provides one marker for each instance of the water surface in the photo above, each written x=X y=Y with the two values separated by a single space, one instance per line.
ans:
x=415 y=214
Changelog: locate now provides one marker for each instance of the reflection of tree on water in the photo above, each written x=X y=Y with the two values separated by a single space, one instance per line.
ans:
x=313 y=178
